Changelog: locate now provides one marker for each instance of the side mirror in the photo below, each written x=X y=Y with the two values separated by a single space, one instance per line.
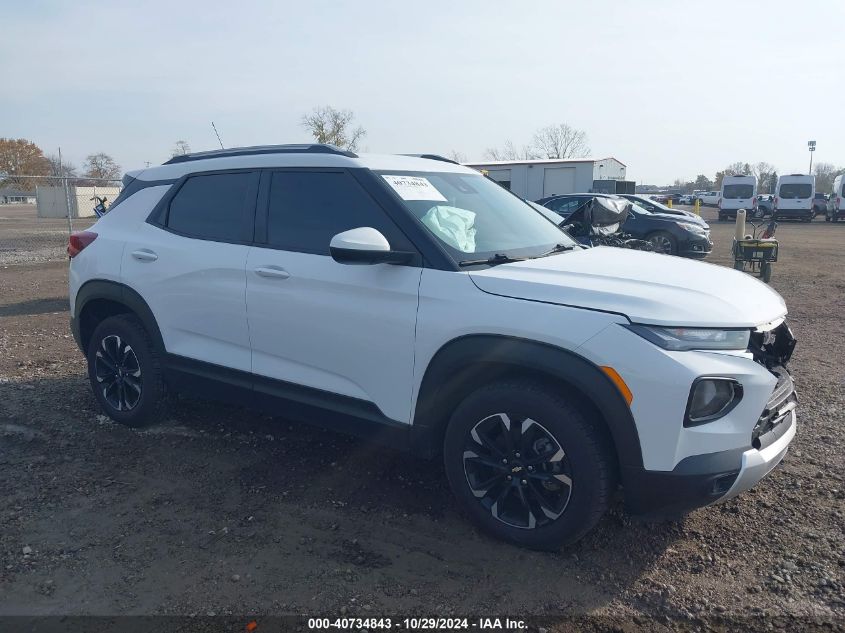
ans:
x=365 y=245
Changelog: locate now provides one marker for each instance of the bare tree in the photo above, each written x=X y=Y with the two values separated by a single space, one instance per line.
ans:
x=330 y=125
x=509 y=152
x=825 y=174
x=762 y=171
x=60 y=169
x=101 y=166
x=20 y=157
x=561 y=141
x=458 y=157
x=180 y=148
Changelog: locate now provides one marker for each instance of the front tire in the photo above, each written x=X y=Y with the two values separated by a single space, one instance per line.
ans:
x=527 y=465
x=664 y=243
x=125 y=372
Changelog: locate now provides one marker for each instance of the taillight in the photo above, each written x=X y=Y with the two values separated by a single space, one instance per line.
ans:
x=719 y=203
x=77 y=242
x=776 y=202
x=838 y=201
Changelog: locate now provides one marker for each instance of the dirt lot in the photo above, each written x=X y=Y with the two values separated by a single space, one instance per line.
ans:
x=225 y=511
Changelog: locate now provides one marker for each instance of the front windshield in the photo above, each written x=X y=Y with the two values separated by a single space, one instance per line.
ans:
x=472 y=215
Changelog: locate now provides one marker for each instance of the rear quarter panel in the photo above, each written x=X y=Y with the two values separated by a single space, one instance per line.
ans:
x=102 y=258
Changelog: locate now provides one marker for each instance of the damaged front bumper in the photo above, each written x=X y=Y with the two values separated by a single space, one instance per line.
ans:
x=701 y=480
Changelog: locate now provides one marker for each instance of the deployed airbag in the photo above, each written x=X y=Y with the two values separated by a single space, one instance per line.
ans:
x=454 y=226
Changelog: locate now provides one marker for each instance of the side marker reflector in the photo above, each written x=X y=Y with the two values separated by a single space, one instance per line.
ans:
x=620 y=384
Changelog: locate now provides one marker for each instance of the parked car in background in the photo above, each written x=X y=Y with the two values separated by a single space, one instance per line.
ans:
x=795 y=197
x=669 y=234
x=687 y=198
x=656 y=207
x=738 y=192
x=658 y=197
x=836 y=205
x=709 y=198
x=765 y=205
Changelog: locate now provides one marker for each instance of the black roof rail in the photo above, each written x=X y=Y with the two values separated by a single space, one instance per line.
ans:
x=433 y=157
x=304 y=148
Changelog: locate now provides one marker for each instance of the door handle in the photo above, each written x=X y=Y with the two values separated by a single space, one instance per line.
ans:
x=144 y=255
x=273 y=272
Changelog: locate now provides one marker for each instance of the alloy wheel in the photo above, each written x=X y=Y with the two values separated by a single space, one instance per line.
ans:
x=517 y=470
x=662 y=244
x=118 y=373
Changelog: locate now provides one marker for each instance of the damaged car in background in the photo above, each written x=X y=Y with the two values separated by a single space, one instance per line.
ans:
x=670 y=234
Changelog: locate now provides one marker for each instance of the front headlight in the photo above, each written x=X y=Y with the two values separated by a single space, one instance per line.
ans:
x=683 y=338
x=689 y=226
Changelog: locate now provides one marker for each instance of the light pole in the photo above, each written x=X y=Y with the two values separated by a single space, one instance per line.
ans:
x=811 y=145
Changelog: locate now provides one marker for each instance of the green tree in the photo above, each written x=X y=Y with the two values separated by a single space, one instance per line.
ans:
x=702 y=183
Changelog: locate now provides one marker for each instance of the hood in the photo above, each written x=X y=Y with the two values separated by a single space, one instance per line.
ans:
x=646 y=287
x=689 y=218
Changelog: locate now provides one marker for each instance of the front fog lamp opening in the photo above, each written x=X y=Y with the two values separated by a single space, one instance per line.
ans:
x=711 y=399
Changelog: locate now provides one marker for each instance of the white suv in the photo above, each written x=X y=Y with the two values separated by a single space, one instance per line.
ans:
x=416 y=301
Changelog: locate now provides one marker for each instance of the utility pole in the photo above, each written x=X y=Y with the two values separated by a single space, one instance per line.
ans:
x=811 y=145
x=67 y=193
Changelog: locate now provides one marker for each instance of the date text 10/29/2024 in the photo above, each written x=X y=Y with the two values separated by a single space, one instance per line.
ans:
x=417 y=624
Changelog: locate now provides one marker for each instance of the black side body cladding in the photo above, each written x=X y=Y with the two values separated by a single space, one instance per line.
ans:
x=473 y=360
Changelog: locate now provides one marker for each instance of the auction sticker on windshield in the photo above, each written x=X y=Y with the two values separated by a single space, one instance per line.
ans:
x=414 y=188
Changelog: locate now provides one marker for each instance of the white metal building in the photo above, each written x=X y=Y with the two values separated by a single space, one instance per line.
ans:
x=52 y=202
x=535 y=179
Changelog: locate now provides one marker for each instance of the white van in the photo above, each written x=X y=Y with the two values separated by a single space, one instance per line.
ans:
x=836 y=204
x=738 y=192
x=794 y=197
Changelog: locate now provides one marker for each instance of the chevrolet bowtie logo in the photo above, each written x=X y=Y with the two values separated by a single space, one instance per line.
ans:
x=516 y=469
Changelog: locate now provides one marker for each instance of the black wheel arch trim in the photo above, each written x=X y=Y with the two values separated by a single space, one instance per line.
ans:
x=468 y=353
x=119 y=293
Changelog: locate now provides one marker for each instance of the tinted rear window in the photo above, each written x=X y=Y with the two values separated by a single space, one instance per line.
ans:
x=795 y=190
x=733 y=192
x=210 y=207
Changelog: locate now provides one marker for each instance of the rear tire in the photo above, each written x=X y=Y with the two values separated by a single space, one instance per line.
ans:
x=561 y=467
x=124 y=369
x=766 y=272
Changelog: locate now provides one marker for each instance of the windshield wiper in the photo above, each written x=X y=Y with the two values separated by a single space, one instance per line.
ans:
x=498 y=258
x=558 y=248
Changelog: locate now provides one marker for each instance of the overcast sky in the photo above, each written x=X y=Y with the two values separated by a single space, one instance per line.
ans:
x=672 y=89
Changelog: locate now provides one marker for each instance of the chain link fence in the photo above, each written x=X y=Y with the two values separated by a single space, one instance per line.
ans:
x=35 y=223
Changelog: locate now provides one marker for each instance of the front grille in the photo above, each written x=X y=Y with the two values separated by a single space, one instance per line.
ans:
x=777 y=411
x=773 y=348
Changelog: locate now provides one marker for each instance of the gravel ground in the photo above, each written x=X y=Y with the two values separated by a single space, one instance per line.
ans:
x=222 y=510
